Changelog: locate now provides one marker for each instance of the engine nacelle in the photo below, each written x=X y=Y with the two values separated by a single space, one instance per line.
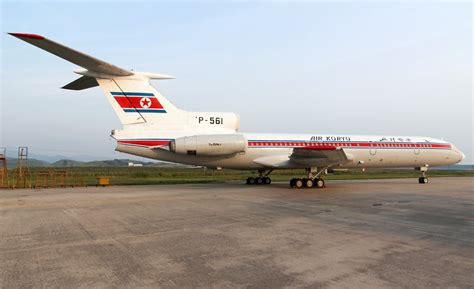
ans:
x=209 y=145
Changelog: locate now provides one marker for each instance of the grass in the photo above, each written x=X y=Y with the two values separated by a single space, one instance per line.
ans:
x=79 y=176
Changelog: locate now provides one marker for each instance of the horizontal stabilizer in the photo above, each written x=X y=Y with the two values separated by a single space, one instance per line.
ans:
x=82 y=83
x=71 y=55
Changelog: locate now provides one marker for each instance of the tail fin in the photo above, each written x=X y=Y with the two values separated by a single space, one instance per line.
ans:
x=129 y=93
x=135 y=100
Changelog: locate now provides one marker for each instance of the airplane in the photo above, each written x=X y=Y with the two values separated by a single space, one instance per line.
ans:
x=155 y=128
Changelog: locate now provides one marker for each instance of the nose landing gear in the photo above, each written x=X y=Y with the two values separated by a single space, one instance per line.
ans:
x=423 y=179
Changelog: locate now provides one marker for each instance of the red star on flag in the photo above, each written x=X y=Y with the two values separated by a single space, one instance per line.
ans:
x=145 y=102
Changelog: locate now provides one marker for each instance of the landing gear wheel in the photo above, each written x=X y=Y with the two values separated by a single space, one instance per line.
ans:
x=308 y=183
x=298 y=183
x=258 y=180
x=250 y=181
x=319 y=183
x=423 y=180
x=267 y=180
x=292 y=183
x=304 y=181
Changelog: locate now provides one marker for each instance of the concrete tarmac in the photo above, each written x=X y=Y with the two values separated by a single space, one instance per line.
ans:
x=352 y=234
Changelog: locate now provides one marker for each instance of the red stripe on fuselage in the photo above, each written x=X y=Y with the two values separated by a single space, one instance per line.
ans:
x=335 y=145
x=149 y=143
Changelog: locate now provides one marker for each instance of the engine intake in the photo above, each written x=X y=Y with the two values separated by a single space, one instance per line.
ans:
x=209 y=145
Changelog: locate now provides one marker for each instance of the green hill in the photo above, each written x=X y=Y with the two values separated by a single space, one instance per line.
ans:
x=67 y=163
x=11 y=162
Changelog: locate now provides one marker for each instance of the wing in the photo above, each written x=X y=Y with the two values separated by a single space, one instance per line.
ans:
x=71 y=55
x=310 y=157
x=319 y=157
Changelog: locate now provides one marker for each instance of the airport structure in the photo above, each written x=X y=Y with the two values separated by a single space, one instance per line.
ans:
x=4 y=181
x=22 y=174
x=155 y=128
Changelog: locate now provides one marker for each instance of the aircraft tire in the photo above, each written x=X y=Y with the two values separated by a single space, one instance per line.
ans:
x=304 y=181
x=258 y=181
x=308 y=183
x=319 y=183
x=250 y=181
x=423 y=180
x=298 y=183
x=267 y=180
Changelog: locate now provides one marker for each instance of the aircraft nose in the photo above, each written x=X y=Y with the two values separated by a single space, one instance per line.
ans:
x=461 y=156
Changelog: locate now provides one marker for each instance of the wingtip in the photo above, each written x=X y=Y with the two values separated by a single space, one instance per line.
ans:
x=26 y=35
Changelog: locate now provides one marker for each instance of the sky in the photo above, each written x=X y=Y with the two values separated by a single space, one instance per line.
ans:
x=383 y=68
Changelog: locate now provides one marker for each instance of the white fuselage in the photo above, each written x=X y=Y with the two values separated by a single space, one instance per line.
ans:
x=272 y=151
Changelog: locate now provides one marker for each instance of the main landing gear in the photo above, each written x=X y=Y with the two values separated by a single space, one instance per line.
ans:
x=312 y=181
x=262 y=178
x=307 y=183
x=423 y=179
